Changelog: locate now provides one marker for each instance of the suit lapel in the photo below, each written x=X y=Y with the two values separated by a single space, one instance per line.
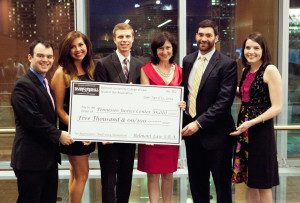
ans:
x=210 y=66
x=118 y=67
x=132 y=70
x=41 y=87
x=192 y=61
x=188 y=68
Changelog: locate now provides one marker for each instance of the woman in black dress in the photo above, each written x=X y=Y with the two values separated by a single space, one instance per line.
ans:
x=255 y=158
x=75 y=63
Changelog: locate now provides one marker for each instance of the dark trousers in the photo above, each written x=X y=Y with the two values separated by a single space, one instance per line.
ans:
x=201 y=162
x=37 y=186
x=116 y=164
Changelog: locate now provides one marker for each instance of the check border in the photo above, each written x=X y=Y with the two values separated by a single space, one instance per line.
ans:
x=92 y=84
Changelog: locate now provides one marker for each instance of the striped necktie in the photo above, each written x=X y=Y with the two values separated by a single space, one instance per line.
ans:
x=194 y=90
x=125 y=68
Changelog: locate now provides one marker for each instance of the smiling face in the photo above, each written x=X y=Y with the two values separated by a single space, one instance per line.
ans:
x=206 y=39
x=123 y=40
x=165 y=52
x=78 y=49
x=42 y=59
x=253 y=52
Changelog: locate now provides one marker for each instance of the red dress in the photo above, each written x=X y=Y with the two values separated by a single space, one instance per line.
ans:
x=159 y=158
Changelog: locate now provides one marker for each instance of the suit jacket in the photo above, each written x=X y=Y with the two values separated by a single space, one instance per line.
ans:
x=215 y=96
x=109 y=69
x=35 y=146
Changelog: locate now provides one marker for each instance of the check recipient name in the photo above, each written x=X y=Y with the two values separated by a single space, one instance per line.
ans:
x=125 y=113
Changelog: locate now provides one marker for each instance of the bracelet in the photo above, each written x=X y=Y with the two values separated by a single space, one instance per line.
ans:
x=262 y=119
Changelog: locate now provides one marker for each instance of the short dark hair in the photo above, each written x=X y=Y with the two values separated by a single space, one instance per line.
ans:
x=158 y=41
x=259 y=39
x=33 y=44
x=208 y=23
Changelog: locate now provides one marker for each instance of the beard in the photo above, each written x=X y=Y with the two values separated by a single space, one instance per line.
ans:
x=206 y=46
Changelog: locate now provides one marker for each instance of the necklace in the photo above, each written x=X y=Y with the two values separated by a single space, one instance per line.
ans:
x=163 y=74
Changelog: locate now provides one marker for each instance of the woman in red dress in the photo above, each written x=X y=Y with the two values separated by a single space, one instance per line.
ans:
x=160 y=160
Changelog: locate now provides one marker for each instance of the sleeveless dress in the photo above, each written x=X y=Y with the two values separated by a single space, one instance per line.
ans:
x=255 y=157
x=77 y=148
x=159 y=158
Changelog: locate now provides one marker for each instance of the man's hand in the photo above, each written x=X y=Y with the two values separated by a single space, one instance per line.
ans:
x=190 y=129
x=86 y=143
x=65 y=138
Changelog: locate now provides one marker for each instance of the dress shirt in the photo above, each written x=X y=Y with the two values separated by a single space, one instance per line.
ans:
x=193 y=71
x=121 y=58
x=39 y=76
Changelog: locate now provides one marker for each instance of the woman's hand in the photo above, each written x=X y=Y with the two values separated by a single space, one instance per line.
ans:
x=242 y=128
x=182 y=105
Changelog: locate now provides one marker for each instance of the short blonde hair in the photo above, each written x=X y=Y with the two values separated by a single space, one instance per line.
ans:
x=122 y=26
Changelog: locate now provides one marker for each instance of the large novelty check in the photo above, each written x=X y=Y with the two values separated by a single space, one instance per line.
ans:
x=125 y=113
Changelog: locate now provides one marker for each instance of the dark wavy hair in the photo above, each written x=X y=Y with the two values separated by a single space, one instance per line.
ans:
x=258 y=38
x=66 y=61
x=158 y=41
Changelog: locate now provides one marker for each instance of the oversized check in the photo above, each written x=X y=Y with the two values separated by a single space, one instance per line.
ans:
x=125 y=113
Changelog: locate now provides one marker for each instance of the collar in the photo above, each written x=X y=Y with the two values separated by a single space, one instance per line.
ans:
x=207 y=55
x=39 y=76
x=121 y=57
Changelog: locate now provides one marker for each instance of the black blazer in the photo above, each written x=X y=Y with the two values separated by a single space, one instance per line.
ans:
x=215 y=97
x=35 y=146
x=109 y=69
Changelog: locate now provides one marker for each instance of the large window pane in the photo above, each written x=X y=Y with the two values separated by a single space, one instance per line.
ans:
x=294 y=78
x=235 y=20
x=21 y=22
x=146 y=18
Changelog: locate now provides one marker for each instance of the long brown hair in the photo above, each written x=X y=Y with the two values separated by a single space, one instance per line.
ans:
x=66 y=61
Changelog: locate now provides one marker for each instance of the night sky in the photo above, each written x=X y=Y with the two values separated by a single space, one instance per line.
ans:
x=105 y=14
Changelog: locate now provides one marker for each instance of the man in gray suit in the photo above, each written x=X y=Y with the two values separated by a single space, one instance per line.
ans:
x=35 y=151
x=116 y=159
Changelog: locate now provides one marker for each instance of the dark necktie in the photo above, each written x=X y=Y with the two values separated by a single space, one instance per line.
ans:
x=125 y=68
x=48 y=90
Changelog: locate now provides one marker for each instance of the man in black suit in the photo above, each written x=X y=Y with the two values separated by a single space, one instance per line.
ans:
x=116 y=160
x=210 y=81
x=35 y=151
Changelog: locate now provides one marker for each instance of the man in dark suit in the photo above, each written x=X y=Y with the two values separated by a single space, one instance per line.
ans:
x=210 y=81
x=35 y=151
x=116 y=159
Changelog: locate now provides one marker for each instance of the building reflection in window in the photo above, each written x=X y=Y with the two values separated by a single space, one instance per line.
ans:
x=21 y=22
x=146 y=17
x=294 y=79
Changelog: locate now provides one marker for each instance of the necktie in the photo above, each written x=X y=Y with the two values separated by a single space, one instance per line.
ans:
x=194 y=90
x=125 y=68
x=48 y=90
